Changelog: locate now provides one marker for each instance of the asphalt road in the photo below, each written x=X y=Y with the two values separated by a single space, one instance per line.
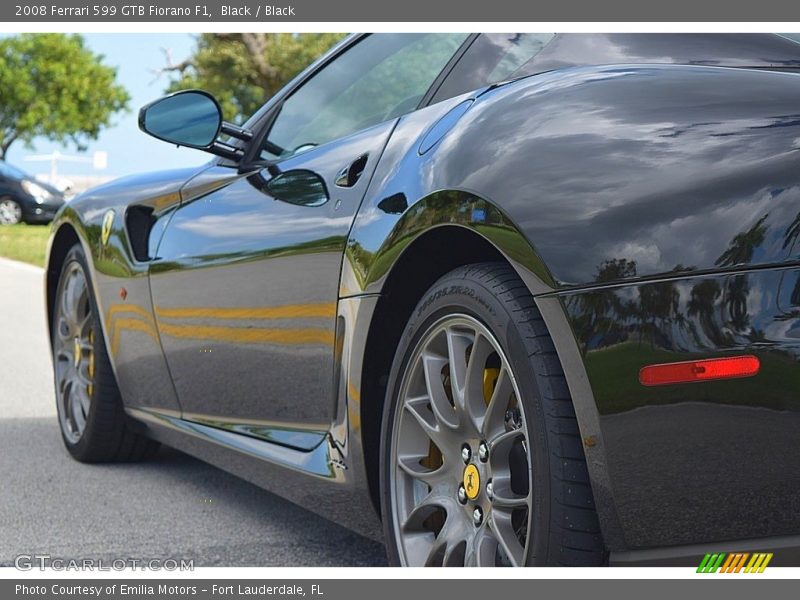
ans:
x=172 y=506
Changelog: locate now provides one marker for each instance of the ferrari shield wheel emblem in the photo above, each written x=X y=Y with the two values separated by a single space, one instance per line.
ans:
x=472 y=481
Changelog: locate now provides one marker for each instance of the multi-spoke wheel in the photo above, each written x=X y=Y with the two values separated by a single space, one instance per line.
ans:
x=74 y=353
x=90 y=412
x=10 y=211
x=474 y=468
x=461 y=482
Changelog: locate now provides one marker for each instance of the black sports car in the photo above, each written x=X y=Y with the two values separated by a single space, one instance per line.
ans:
x=22 y=198
x=502 y=299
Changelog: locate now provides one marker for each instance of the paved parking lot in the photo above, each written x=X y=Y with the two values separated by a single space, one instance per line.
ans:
x=172 y=506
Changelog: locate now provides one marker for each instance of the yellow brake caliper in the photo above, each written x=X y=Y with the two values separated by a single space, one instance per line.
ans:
x=90 y=367
x=490 y=375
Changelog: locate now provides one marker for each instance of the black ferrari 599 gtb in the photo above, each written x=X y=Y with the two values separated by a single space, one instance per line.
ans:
x=497 y=299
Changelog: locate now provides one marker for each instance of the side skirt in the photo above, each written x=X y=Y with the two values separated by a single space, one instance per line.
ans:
x=316 y=479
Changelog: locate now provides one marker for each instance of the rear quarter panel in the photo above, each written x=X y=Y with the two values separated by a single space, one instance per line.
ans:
x=615 y=179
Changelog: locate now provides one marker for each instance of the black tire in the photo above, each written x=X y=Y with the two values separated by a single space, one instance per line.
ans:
x=106 y=436
x=566 y=530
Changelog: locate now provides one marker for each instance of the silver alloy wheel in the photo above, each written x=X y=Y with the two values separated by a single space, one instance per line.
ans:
x=74 y=353
x=461 y=478
x=10 y=212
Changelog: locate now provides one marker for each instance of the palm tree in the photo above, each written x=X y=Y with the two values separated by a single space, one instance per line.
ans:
x=658 y=302
x=595 y=306
x=702 y=302
x=740 y=252
x=743 y=245
x=792 y=232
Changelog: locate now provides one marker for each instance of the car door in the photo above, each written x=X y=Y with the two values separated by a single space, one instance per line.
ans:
x=246 y=279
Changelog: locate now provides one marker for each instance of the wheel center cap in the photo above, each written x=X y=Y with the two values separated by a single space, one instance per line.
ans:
x=472 y=481
x=76 y=349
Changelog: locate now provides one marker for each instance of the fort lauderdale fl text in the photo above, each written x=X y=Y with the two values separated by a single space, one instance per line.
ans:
x=144 y=589
x=154 y=10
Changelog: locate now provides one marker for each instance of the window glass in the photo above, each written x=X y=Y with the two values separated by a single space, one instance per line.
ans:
x=491 y=58
x=380 y=78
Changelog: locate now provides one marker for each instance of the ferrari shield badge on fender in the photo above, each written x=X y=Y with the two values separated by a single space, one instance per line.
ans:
x=105 y=232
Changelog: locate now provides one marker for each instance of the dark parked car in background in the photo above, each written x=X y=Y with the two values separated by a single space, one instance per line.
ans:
x=533 y=298
x=24 y=199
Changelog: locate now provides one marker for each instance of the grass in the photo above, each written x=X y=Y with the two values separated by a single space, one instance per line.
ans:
x=23 y=242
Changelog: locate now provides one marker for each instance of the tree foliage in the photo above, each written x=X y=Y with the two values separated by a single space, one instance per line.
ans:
x=52 y=86
x=243 y=70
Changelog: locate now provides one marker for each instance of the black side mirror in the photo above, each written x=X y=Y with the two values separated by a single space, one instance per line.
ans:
x=191 y=118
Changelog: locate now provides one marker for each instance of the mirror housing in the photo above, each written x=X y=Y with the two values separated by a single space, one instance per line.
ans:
x=192 y=118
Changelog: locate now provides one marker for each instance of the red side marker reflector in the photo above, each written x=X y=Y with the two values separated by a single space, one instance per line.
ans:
x=693 y=371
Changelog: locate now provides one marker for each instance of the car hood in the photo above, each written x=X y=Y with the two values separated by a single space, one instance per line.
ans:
x=53 y=190
x=160 y=189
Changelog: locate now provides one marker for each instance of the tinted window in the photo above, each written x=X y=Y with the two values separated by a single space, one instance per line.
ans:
x=382 y=77
x=491 y=58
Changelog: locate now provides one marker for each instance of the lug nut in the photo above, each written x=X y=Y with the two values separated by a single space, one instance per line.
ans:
x=466 y=453
x=477 y=516
x=489 y=490
x=483 y=451
x=462 y=494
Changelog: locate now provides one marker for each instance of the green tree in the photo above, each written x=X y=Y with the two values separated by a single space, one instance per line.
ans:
x=702 y=301
x=243 y=70
x=740 y=252
x=52 y=86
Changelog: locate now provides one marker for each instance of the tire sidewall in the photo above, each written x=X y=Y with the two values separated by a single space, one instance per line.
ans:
x=458 y=295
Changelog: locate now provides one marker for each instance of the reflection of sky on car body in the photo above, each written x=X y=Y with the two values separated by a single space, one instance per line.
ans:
x=255 y=224
x=694 y=159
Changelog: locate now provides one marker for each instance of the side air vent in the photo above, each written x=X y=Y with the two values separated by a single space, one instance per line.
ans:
x=139 y=221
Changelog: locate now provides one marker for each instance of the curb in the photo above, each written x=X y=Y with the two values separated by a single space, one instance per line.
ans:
x=22 y=266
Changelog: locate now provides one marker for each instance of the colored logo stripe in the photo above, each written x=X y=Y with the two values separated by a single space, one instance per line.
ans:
x=710 y=563
x=758 y=563
x=734 y=562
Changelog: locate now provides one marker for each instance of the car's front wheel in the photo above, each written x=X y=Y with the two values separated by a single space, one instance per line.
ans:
x=482 y=462
x=10 y=211
x=93 y=423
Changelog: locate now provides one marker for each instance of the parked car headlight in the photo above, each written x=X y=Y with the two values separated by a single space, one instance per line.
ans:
x=39 y=193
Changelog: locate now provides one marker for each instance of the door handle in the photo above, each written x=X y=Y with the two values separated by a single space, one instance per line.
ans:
x=350 y=174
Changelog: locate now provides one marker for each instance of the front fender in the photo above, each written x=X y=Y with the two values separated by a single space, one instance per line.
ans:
x=119 y=281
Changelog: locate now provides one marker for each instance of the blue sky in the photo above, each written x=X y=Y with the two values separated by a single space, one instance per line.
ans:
x=136 y=57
